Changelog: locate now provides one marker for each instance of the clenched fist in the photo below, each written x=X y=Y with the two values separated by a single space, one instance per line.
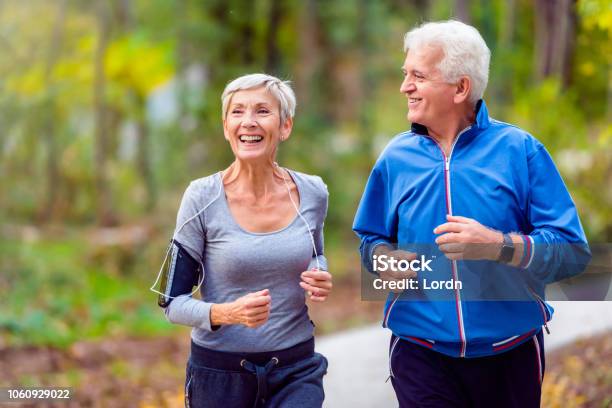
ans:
x=395 y=275
x=251 y=310
x=317 y=284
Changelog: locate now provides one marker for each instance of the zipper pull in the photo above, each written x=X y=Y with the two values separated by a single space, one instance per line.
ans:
x=546 y=328
x=447 y=164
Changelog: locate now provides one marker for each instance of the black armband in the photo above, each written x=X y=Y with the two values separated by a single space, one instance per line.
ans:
x=179 y=275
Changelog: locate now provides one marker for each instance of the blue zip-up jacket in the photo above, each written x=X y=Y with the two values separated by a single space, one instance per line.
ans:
x=503 y=178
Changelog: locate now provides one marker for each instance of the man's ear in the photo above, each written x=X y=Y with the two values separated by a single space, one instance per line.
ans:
x=462 y=90
x=285 y=129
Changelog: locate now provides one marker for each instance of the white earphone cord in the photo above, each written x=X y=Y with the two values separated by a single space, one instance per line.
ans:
x=201 y=280
x=297 y=210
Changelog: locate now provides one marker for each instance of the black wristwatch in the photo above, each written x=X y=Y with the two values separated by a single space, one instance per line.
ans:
x=507 y=250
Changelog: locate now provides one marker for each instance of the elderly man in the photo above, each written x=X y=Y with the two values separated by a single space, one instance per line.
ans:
x=478 y=208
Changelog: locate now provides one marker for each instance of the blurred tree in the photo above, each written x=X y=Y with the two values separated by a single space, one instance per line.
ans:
x=275 y=17
x=104 y=201
x=462 y=12
x=309 y=44
x=80 y=91
x=555 y=26
x=49 y=112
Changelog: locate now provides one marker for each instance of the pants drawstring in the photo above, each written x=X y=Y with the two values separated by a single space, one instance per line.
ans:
x=261 y=372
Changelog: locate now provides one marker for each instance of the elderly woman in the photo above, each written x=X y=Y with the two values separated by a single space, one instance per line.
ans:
x=251 y=236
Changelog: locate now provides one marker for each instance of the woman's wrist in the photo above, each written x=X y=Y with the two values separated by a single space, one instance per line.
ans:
x=219 y=314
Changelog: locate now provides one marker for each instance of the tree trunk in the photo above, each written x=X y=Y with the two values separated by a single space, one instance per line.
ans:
x=368 y=82
x=505 y=40
x=309 y=52
x=567 y=45
x=124 y=13
x=52 y=173
x=182 y=56
x=544 y=20
x=555 y=38
x=423 y=6
x=246 y=40
x=104 y=213
x=143 y=160
x=462 y=11
x=273 y=55
x=224 y=50
x=144 y=156
x=507 y=25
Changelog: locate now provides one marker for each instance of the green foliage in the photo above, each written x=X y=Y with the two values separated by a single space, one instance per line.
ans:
x=137 y=64
x=550 y=114
x=593 y=67
x=580 y=144
x=343 y=58
x=55 y=292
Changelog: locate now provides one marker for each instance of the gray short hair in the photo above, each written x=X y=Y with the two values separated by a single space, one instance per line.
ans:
x=465 y=52
x=281 y=90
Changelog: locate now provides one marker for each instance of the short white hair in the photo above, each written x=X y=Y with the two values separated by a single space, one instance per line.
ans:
x=281 y=90
x=465 y=52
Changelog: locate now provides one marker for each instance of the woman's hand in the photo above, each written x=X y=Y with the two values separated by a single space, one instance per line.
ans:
x=251 y=310
x=317 y=284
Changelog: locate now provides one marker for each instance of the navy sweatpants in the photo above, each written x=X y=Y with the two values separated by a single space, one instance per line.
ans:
x=425 y=378
x=287 y=378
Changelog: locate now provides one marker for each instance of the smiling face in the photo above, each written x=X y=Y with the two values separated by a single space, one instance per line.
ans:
x=430 y=98
x=252 y=124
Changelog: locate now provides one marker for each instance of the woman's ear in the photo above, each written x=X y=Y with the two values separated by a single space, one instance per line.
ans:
x=285 y=130
x=462 y=90
x=225 y=131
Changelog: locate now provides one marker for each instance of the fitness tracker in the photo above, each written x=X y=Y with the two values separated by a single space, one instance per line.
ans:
x=507 y=250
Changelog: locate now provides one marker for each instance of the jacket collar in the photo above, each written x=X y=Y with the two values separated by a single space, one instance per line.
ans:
x=482 y=119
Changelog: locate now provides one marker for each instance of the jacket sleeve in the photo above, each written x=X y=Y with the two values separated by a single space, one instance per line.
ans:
x=556 y=247
x=376 y=219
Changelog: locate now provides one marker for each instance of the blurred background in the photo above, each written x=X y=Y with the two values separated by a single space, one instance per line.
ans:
x=109 y=108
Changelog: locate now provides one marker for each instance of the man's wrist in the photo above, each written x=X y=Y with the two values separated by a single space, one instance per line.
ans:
x=382 y=249
x=498 y=242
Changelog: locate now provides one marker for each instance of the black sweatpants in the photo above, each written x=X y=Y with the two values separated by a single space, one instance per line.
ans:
x=425 y=378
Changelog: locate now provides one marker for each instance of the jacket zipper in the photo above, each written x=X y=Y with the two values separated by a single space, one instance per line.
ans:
x=543 y=309
x=449 y=210
x=386 y=319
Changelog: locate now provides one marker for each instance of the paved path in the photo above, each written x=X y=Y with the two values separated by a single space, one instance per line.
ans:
x=358 y=361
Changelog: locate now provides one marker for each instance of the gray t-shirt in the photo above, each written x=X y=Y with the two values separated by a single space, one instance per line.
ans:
x=237 y=262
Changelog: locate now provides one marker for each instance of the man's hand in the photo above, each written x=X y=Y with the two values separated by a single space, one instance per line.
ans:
x=251 y=310
x=317 y=284
x=397 y=254
x=466 y=238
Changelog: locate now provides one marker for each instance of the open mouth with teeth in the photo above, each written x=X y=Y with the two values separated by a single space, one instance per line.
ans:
x=250 y=139
x=414 y=100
